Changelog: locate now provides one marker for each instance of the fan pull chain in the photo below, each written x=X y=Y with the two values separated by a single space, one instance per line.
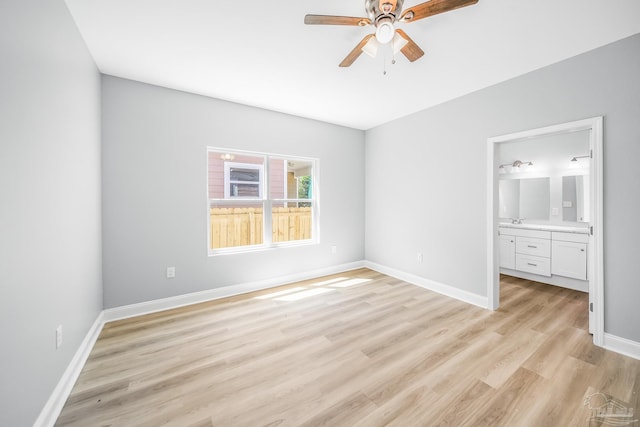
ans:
x=393 y=60
x=384 y=63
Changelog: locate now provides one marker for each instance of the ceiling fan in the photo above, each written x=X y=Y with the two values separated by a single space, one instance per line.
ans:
x=383 y=15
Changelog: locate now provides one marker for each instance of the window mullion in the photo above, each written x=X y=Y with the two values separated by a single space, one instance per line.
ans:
x=267 y=210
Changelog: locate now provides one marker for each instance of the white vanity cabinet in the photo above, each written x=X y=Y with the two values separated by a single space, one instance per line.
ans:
x=569 y=255
x=544 y=255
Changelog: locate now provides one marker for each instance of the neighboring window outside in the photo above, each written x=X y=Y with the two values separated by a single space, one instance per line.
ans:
x=242 y=180
x=259 y=200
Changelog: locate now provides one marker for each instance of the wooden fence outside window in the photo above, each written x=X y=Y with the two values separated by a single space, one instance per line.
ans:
x=231 y=227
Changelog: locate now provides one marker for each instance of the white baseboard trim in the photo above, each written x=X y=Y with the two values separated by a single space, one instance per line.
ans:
x=441 y=288
x=153 y=306
x=622 y=345
x=54 y=405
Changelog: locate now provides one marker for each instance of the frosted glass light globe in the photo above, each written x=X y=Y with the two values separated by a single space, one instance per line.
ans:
x=385 y=32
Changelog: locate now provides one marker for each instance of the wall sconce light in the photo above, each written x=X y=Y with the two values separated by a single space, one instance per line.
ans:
x=575 y=164
x=575 y=159
x=227 y=157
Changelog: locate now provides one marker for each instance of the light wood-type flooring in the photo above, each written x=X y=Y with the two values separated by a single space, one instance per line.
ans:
x=357 y=349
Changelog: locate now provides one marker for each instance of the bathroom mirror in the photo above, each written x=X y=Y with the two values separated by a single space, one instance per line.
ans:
x=526 y=198
x=575 y=198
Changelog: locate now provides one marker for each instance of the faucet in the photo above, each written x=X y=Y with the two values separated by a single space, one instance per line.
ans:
x=516 y=220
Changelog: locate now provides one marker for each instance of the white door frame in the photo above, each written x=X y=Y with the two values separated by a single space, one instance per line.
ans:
x=595 y=250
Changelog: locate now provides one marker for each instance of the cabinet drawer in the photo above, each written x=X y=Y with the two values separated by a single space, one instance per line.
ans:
x=533 y=246
x=525 y=232
x=503 y=231
x=533 y=264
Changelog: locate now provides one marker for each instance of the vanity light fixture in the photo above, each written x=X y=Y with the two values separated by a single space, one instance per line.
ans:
x=227 y=157
x=509 y=167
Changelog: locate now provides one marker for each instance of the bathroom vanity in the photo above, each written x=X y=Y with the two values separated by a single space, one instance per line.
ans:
x=556 y=255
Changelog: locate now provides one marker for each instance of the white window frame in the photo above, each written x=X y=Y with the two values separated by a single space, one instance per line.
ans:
x=228 y=182
x=265 y=200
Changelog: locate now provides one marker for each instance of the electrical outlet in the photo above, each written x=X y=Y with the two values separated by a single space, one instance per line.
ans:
x=171 y=272
x=419 y=256
x=59 y=336
x=334 y=249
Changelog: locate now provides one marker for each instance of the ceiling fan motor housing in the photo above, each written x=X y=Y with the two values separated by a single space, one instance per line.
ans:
x=381 y=8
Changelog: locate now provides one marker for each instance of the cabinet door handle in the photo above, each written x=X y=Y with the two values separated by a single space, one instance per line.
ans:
x=581 y=250
x=531 y=246
x=535 y=265
x=511 y=241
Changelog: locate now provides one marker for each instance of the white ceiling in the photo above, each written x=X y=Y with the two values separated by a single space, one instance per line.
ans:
x=260 y=53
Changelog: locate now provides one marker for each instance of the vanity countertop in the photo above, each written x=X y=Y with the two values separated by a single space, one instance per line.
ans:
x=562 y=228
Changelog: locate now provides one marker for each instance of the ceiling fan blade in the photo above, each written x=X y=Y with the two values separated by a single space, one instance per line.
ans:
x=433 y=7
x=411 y=50
x=336 y=20
x=356 y=52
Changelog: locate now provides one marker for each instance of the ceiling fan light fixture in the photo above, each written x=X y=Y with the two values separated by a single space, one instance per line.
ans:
x=398 y=43
x=371 y=47
x=385 y=31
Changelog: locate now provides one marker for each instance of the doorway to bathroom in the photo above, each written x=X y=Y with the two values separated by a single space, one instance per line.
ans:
x=545 y=199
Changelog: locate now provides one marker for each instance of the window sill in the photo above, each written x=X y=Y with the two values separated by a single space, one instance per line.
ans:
x=260 y=248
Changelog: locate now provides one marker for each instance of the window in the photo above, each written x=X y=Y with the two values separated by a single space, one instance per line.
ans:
x=260 y=200
x=242 y=180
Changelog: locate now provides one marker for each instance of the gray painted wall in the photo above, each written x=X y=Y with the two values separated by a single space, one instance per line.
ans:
x=50 y=195
x=154 y=190
x=426 y=173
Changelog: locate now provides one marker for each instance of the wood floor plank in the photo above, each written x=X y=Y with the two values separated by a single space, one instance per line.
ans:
x=353 y=349
x=548 y=357
x=559 y=400
x=502 y=407
x=407 y=408
x=509 y=355
x=470 y=399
